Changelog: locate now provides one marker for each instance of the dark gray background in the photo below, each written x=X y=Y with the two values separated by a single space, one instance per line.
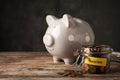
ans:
x=22 y=22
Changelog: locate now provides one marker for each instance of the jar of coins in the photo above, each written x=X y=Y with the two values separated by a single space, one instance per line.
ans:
x=96 y=58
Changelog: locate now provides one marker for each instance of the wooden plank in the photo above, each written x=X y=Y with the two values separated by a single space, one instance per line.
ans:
x=40 y=65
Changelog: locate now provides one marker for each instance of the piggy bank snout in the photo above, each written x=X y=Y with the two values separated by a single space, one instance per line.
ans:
x=48 y=40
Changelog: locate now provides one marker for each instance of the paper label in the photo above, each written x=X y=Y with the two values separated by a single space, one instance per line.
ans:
x=96 y=61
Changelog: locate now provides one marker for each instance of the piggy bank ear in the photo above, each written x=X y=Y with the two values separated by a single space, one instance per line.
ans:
x=66 y=20
x=50 y=19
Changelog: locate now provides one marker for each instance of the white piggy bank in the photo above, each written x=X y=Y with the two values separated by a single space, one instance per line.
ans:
x=65 y=35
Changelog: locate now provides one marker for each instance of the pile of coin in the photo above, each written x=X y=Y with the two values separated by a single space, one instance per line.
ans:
x=71 y=73
x=97 y=48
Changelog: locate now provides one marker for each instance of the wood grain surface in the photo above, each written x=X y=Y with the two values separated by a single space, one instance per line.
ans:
x=39 y=66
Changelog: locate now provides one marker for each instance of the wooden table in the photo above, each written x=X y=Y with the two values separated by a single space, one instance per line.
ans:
x=39 y=66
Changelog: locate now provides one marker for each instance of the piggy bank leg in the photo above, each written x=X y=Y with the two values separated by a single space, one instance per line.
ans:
x=56 y=59
x=69 y=60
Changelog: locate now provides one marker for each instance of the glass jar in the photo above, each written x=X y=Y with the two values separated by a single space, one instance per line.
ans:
x=97 y=58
